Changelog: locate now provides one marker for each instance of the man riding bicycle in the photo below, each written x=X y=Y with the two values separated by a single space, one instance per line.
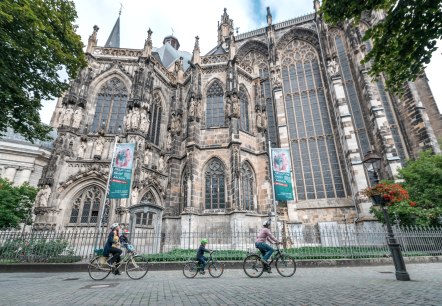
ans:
x=260 y=243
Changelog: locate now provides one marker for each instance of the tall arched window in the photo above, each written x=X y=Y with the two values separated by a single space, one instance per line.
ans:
x=215 y=106
x=315 y=159
x=215 y=188
x=247 y=182
x=184 y=189
x=86 y=206
x=244 y=100
x=111 y=106
x=155 y=120
x=267 y=94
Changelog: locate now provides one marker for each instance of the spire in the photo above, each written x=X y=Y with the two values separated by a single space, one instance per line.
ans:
x=148 y=44
x=196 y=59
x=114 y=38
x=269 y=16
x=225 y=27
x=92 y=42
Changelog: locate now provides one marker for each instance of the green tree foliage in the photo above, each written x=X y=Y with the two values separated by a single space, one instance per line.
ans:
x=423 y=181
x=403 y=42
x=15 y=204
x=37 y=40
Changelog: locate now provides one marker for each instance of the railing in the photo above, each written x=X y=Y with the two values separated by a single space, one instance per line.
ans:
x=338 y=242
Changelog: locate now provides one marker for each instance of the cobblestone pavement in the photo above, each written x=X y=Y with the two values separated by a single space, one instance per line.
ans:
x=373 y=285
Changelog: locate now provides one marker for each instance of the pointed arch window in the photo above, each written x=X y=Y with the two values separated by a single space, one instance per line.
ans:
x=155 y=120
x=214 y=186
x=110 y=108
x=247 y=183
x=215 y=106
x=184 y=189
x=145 y=218
x=244 y=100
x=267 y=94
x=86 y=206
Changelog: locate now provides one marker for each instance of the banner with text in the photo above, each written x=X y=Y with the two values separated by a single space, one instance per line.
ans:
x=282 y=176
x=119 y=187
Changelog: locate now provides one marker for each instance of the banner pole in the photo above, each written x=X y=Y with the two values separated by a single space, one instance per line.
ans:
x=99 y=223
x=273 y=190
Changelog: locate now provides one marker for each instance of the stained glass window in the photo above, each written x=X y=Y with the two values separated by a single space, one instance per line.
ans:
x=86 y=206
x=244 y=100
x=155 y=120
x=214 y=186
x=215 y=106
x=247 y=183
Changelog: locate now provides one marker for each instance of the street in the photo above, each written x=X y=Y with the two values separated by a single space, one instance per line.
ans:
x=370 y=285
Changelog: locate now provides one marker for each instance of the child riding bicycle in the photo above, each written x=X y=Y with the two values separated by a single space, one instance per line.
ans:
x=202 y=260
x=124 y=240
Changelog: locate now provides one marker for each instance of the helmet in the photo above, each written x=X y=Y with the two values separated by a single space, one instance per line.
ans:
x=125 y=231
x=204 y=241
x=266 y=223
x=114 y=226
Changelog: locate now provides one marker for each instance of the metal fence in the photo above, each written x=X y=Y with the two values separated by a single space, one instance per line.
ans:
x=303 y=242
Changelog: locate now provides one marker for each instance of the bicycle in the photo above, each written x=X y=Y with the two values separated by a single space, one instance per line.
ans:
x=191 y=268
x=254 y=266
x=136 y=266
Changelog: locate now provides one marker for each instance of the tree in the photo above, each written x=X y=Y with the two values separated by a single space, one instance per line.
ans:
x=403 y=42
x=15 y=204
x=423 y=181
x=37 y=40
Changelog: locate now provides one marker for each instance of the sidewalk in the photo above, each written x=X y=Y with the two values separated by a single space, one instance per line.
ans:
x=372 y=285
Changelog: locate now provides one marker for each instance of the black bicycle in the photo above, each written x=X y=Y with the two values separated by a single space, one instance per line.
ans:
x=254 y=265
x=191 y=268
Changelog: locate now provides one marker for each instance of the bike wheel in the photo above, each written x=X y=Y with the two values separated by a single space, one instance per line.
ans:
x=190 y=269
x=286 y=265
x=137 y=267
x=216 y=269
x=253 y=267
x=97 y=269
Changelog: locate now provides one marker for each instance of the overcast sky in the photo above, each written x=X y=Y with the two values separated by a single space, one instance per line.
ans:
x=187 y=19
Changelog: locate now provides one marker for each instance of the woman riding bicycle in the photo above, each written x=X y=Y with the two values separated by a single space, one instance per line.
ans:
x=112 y=246
x=260 y=242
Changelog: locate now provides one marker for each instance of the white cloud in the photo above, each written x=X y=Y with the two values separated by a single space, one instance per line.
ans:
x=189 y=19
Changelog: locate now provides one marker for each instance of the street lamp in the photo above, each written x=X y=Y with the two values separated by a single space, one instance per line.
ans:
x=372 y=163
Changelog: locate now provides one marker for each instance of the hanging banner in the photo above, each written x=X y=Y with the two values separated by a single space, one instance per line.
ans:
x=119 y=187
x=282 y=177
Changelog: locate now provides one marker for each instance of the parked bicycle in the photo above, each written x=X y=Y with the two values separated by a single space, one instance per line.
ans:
x=254 y=266
x=191 y=268
x=136 y=266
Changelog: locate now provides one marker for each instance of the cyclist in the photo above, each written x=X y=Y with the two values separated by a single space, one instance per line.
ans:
x=200 y=254
x=260 y=243
x=124 y=240
x=112 y=246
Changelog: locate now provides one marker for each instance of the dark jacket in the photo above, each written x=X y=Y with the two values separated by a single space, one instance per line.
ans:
x=201 y=251
x=108 y=244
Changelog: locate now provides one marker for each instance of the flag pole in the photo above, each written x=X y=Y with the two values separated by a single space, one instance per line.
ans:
x=99 y=223
x=273 y=190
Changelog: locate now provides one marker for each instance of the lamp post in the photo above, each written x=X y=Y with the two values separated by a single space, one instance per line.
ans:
x=372 y=163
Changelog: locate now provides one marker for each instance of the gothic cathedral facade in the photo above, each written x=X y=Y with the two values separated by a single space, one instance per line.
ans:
x=202 y=126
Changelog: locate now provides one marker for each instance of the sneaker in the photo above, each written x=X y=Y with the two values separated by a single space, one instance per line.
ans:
x=117 y=272
x=203 y=272
x=110 y=265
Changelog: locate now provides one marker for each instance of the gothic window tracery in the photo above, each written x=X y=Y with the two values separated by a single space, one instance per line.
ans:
x=315 y=160
x=244 y=123
x=247 y=184
x=215 y=106
x=110 y=108
x=214 y=185
x=145 y=218
x=86 y=206
x=184 y=189
x=155 y=120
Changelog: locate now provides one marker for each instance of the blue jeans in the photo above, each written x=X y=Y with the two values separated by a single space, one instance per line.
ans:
x=266 y=250
x=203 y=261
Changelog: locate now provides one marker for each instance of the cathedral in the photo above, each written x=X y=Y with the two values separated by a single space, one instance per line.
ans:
x=202 y=126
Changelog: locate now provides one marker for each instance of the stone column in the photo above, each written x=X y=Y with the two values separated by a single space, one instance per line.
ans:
x=24 y=176
x=10 y=173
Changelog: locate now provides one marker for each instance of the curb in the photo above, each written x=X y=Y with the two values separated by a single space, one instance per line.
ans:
x=167 y=266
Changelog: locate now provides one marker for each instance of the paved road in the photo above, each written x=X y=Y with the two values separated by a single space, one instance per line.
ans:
x=373 y=285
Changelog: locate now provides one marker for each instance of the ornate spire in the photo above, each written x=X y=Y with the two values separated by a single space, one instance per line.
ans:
x=269 y=17
x=225 y=27
x=148 y=44
x=196 y=59
x=92 y=42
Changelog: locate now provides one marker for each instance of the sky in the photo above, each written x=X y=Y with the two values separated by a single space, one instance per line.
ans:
x=187 y=19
